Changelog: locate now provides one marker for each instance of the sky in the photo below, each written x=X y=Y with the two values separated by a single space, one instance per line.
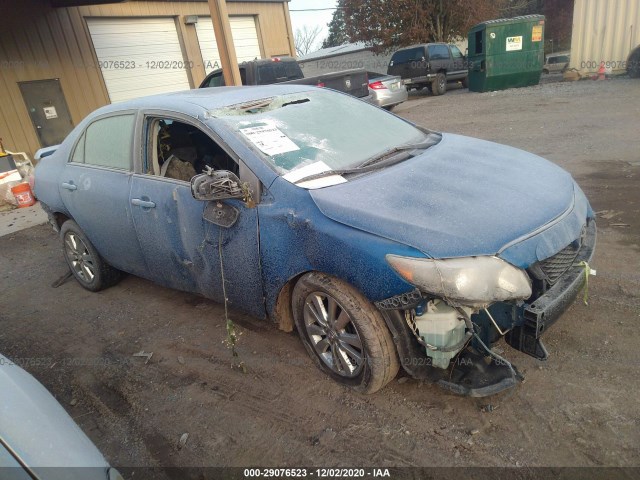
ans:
x=312 y=18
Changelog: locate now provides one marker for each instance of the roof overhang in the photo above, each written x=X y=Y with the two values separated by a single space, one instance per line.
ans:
x=78 y=3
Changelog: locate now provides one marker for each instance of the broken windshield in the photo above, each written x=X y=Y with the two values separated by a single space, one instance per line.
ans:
x=317 y=127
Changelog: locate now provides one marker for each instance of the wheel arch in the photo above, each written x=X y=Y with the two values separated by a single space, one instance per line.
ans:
x=282 y=313
x=633 y=62
x=60 y=218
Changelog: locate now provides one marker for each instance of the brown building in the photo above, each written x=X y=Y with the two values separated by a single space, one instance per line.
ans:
x=62 y=59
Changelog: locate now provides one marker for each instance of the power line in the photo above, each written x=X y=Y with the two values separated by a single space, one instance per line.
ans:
x=317 y=9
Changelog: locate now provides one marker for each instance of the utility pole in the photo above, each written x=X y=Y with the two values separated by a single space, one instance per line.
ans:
x=224 y=39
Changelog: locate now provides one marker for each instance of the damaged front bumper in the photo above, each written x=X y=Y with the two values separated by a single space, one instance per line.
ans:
x=470 y=373
x=542 y=312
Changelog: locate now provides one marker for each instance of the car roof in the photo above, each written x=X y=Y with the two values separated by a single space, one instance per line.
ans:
x=202 y=99
x=421 y=45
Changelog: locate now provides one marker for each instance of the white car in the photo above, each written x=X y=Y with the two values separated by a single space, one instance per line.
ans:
x=38 y=438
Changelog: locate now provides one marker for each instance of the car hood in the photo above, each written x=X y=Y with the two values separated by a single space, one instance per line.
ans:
x=463 y=197
x=38 y=431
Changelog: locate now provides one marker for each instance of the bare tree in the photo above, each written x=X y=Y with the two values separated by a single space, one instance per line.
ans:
x=305 y=39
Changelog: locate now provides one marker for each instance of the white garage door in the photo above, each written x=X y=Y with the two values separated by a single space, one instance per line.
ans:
x=245 y=39
x=138 y=56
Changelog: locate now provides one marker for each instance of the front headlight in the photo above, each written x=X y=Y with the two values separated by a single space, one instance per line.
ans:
x=472 y=281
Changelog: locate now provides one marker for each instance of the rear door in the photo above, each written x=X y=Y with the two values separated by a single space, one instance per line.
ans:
x=439 y=58
x=95 y=189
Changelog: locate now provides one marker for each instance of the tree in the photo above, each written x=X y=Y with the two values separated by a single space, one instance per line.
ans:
x=337 y=28
x=559 y=22
x=386 y=24
x=305 y=39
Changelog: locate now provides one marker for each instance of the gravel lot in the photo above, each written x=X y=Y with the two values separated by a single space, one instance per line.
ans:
x=578 y=409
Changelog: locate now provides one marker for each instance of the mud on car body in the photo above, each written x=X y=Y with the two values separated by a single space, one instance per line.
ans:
x=384 y=244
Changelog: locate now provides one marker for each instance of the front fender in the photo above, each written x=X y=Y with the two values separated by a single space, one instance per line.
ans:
x=295 y=237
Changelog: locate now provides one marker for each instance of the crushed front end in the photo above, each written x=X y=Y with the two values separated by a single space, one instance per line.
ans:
x=445 y=333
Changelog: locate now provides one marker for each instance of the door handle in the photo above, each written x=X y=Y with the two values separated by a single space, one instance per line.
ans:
x=69 y=186
x=142 y=203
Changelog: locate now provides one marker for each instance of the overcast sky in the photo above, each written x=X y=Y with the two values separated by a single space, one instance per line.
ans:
x=312 y=18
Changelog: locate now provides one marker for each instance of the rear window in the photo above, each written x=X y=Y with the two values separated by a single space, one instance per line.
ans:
x=438 y=52
x=407 y=56
x=276 y=72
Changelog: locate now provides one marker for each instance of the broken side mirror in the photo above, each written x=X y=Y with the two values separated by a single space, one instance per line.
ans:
x=216 y=185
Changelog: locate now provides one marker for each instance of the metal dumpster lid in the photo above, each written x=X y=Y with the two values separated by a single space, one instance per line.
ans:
x=505 y=21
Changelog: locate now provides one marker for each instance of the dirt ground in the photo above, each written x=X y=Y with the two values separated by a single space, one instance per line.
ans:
x=580 y=408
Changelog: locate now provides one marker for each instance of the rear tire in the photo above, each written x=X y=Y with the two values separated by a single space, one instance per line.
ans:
x=439 y=85
x=85 y=263
x=344 y=333
x=633 y=68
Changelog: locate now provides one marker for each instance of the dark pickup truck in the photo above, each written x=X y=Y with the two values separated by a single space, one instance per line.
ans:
x=430 y=65
x=286 y=70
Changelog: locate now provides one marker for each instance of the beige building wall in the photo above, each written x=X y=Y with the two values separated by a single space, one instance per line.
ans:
x=40 y=42
x=604 y=31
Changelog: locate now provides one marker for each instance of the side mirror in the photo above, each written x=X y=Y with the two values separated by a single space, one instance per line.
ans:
x=216 y=185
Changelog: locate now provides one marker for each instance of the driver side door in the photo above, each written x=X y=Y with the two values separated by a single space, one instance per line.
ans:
x=184 y=244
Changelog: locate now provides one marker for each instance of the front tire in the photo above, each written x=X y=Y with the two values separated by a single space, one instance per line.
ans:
x=85 y=263
x=439 y=85
x=344 y=333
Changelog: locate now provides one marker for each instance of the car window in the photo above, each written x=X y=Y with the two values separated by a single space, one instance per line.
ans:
x=455 y=52
x=407 y=56
x=275 y=72
x=438 y=52
x=216 y=80
x=295 y=130
x=179 y=150
x=78 y=154
x=107 y=143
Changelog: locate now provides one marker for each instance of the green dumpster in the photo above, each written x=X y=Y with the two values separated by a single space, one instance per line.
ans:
x=506 y=53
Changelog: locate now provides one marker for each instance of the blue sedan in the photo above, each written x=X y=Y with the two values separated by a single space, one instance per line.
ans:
x=382 y=243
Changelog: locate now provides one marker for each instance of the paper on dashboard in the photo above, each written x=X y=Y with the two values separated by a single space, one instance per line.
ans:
x=269 y=139
x=312 y=169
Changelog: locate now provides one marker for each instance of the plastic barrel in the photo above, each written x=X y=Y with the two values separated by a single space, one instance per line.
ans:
x=23 y=195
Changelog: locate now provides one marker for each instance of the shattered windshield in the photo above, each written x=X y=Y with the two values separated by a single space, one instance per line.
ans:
x=317 y=128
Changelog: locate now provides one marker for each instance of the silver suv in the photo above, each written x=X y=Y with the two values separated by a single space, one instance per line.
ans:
x=556 y=62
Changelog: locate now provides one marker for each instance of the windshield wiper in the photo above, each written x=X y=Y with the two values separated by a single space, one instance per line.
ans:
x=385 y=159
x=400 y=148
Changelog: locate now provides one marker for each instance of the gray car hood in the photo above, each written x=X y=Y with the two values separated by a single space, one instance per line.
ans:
x=40 y=433
x=461 y=197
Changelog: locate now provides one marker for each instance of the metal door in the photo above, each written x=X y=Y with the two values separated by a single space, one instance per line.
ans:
x=48 y=110
x=188 y=251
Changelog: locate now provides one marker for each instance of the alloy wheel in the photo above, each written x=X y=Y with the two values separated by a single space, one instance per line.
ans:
x=333 y=335
x=80 y=258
